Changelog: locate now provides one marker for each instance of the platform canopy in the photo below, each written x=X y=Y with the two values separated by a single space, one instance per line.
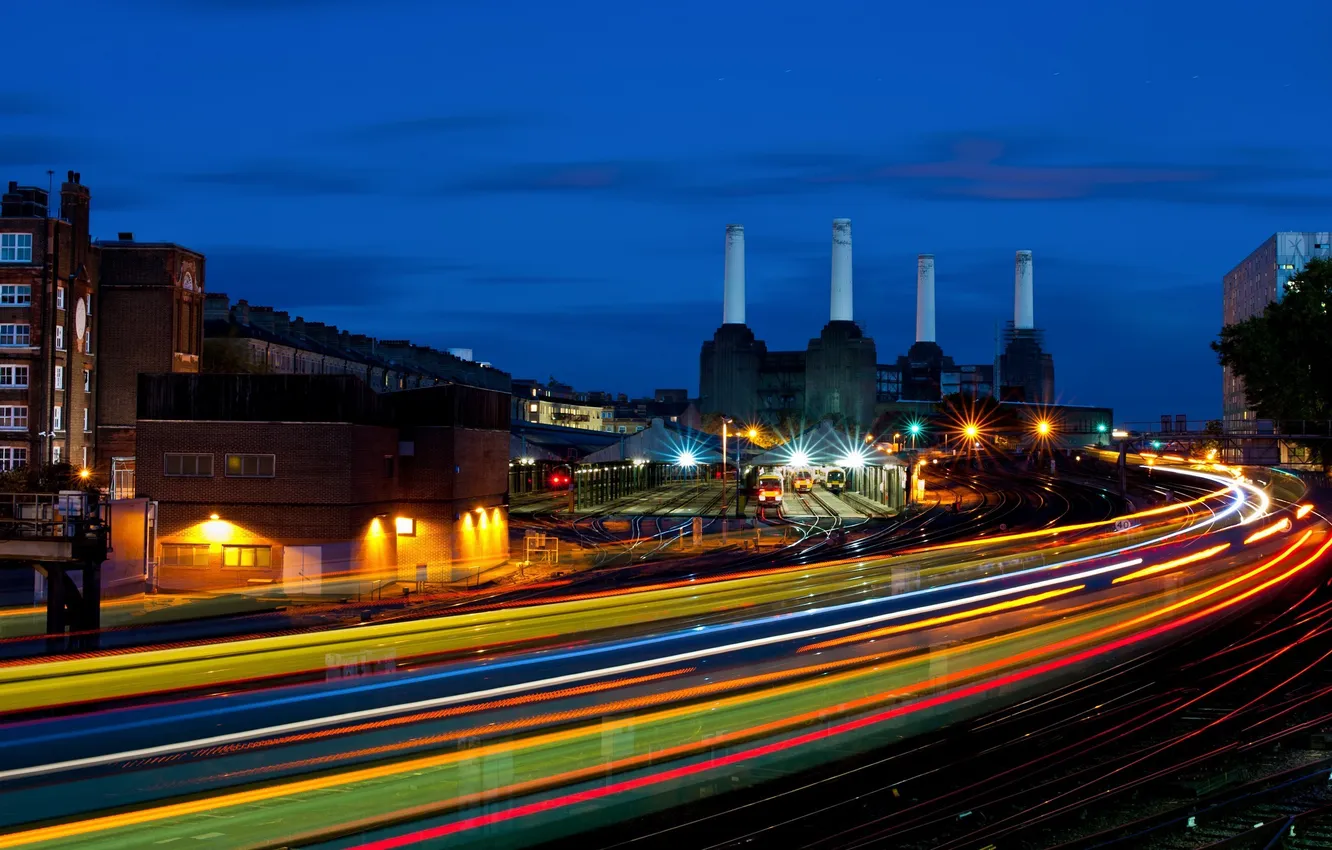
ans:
x=554 y=442
x=521 y=448
x=824 y=445
x=665 y=442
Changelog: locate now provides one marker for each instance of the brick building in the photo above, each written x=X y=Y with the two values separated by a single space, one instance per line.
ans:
x=152 y=304
x=242 y=337
x=300 y=478
x=48 y=295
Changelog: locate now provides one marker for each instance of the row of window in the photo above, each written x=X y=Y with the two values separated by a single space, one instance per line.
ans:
x=20 y=295
x=15 y=457
x=15 y=247
x=17 y=376
x=200 y=465
x=14 y=417
x=196 y=555
x=21 y=335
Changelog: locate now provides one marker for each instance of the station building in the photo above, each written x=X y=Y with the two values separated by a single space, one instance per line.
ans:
x=299 y=480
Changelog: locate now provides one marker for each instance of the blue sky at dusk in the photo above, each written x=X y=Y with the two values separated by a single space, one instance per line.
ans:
x=549 y=183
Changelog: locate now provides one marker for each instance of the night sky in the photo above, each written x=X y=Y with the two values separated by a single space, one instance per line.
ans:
x=549 y=183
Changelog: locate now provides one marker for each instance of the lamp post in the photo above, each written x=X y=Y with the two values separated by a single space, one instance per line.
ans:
x=723 y=478
x=738 y=510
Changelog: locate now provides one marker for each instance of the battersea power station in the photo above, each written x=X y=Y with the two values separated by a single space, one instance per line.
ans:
x=834 y=377
x=838 y=376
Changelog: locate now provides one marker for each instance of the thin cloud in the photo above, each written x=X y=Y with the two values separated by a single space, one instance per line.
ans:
x=291 y=279
x=288 y=178
x=588 y=177
x=431 y=126
x=19 y=105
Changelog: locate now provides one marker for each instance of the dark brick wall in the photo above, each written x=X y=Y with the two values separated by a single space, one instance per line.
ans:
x=149 y=323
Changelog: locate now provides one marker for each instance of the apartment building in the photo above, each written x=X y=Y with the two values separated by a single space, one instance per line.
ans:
x=49 y=275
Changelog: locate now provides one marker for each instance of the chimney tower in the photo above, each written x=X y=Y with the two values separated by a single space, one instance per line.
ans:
x=841 y=271
x=925 y=298
x=733 y=303
x=1024 y=311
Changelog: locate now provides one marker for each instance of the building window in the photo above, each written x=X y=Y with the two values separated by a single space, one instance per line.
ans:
x=13 y=458
x=85 y=420
x=621 y=429
x=178 y=465
x=58 y=418
x=184 y=554
x=60 y=377
x=610 y=428
x=55 y=454
x=85 y=448
x=534 y=407
x=15 y=247
x=250 y=466
x=247 y=556
x=15 y=335
x=60 y=297
x=60 y=338
x=14 y=416
x=87 y=341
x=15 y=296
x=87 y=381
x=13 y=376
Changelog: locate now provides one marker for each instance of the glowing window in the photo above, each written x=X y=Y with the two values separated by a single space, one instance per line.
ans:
x=405 y=526
x=247 y=556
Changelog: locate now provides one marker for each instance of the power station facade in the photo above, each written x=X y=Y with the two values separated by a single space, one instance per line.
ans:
x=834 y=377
x=838 y=376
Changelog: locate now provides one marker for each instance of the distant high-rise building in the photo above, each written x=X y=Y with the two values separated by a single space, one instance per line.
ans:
x=1256 y=282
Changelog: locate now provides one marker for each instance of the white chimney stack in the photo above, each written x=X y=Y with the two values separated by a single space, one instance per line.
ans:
x=924 y=298
x=1024 y=310
x=841 y=271
x=733 y=303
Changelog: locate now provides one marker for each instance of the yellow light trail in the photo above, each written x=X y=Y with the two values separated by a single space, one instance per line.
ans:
x=1263 y=534
x=946 y=618
x=1175 y=564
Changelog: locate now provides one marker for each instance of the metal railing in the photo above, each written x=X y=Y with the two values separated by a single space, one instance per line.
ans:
x=59 y=516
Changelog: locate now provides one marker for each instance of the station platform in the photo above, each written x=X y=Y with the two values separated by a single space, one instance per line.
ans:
x=703 y=498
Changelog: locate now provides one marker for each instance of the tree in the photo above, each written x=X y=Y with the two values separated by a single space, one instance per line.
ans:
x=1284 y=355
x=230 y=355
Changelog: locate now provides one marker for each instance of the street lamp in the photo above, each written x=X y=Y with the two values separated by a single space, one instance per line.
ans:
x=913 y=429
x=725 y=422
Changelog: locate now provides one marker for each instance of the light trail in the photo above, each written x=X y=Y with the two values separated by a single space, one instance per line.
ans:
x=794 y=703
x=606 y=672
